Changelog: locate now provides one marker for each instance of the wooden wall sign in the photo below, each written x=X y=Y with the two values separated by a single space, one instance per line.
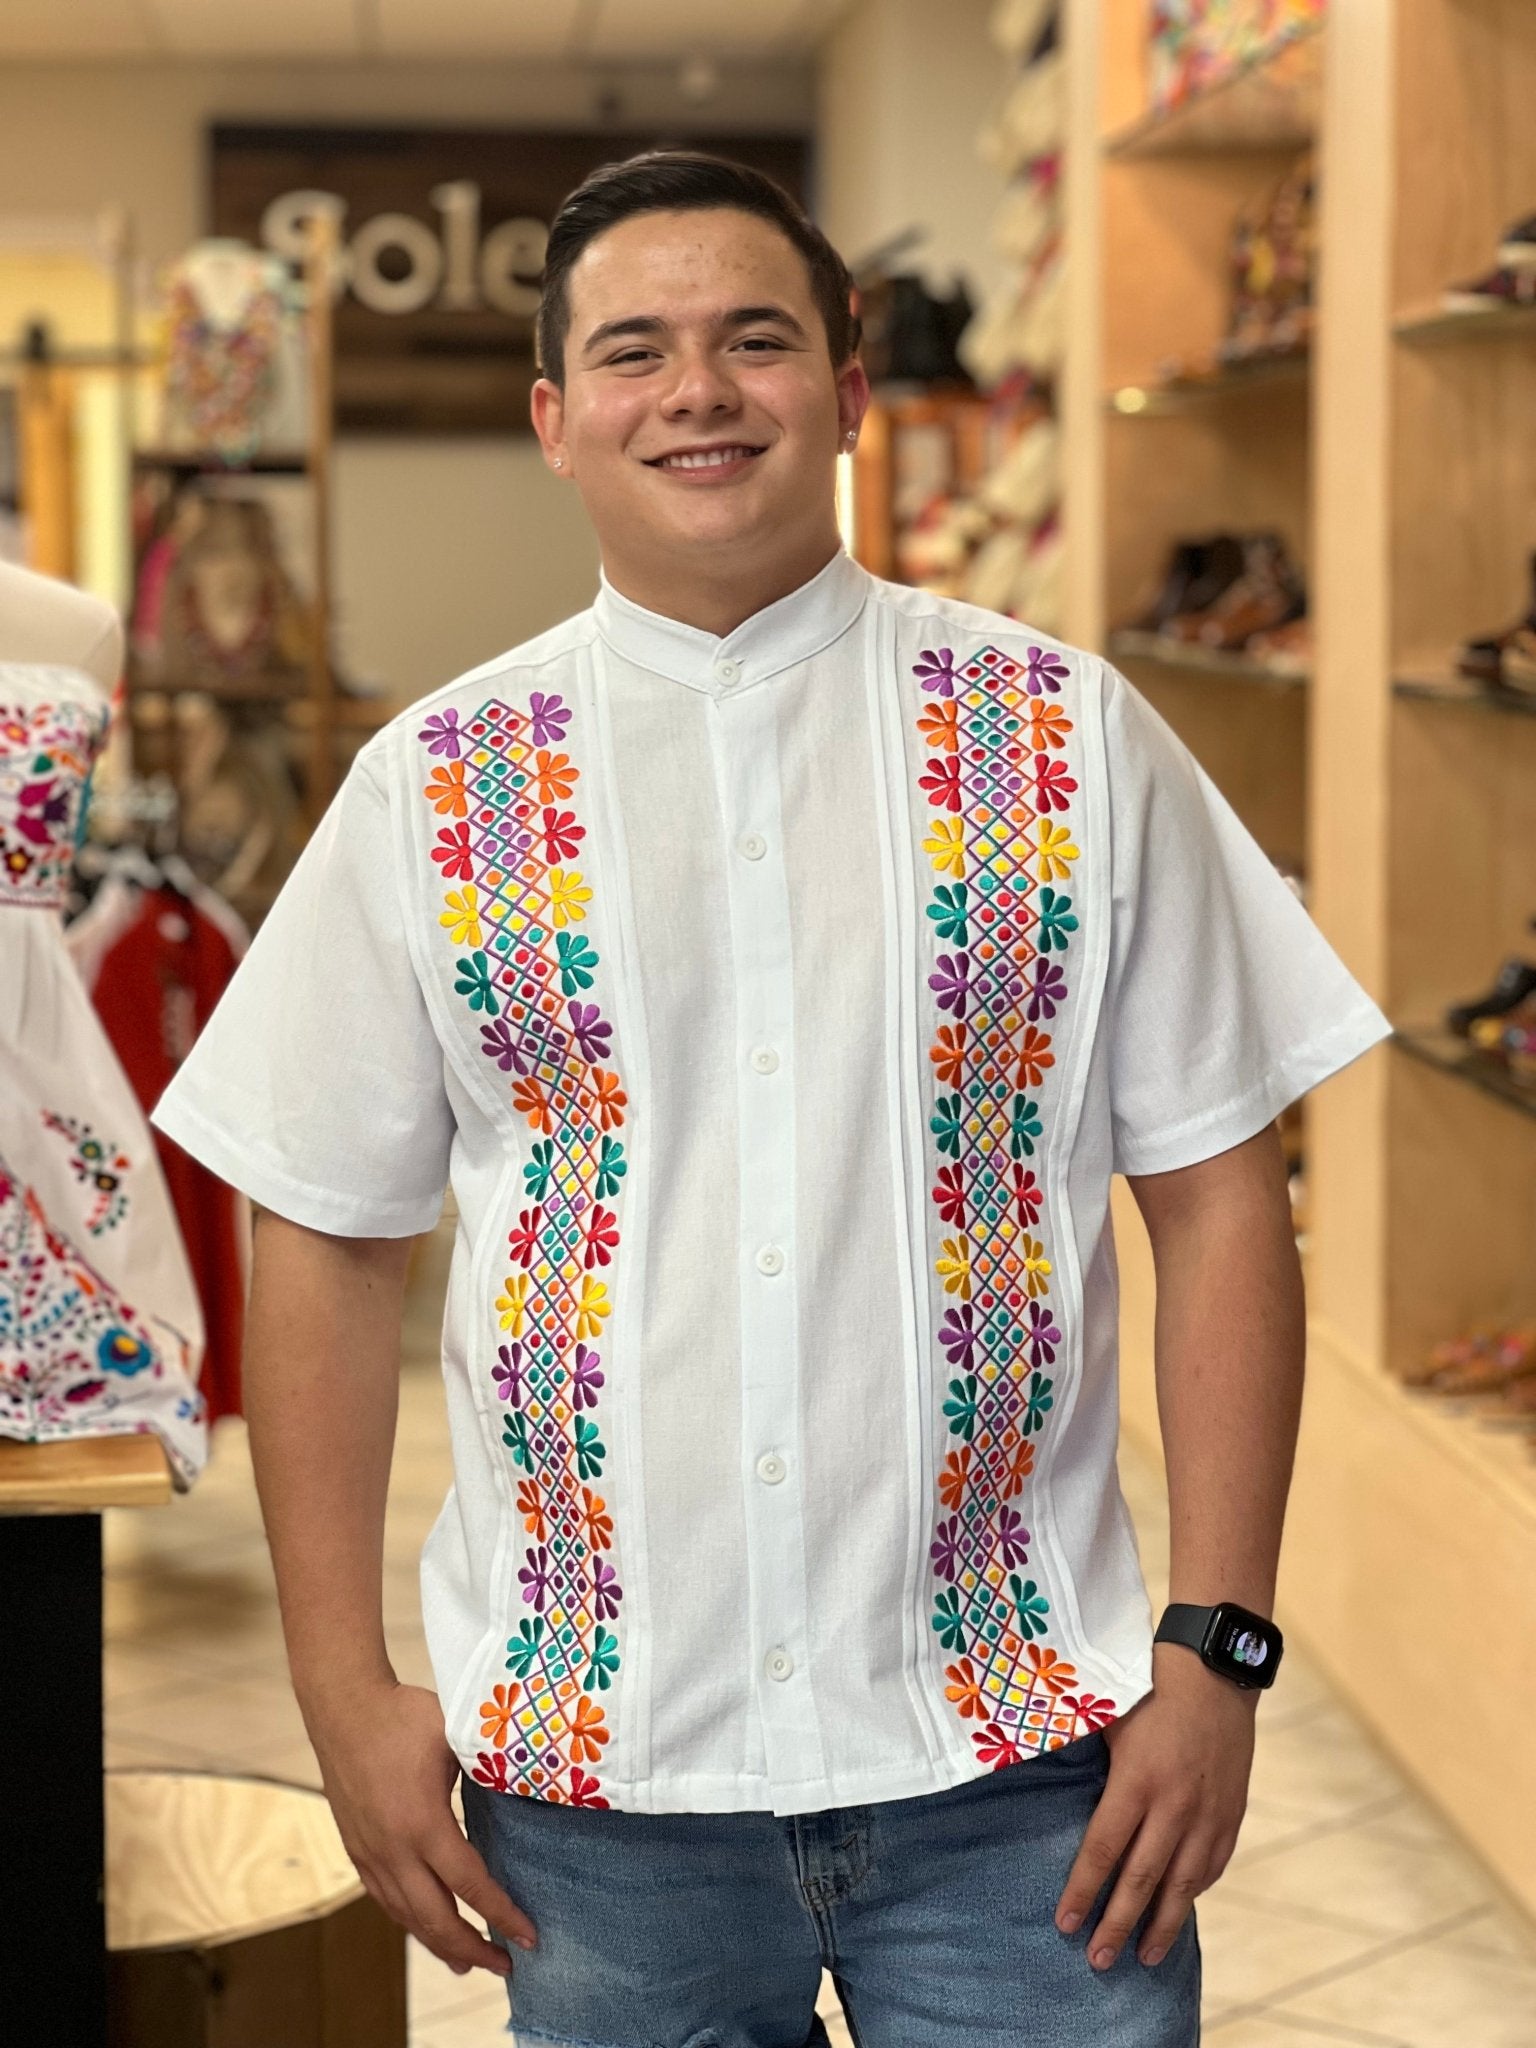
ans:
x=442 y=233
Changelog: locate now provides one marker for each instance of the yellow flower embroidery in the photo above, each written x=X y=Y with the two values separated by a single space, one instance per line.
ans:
x=1037 y=1267
x=945 y=846
x=953 y=1267
x=567 y=894
x=513 y=1304
x=592 y=1308
x=1054 y=850
x=462 y=917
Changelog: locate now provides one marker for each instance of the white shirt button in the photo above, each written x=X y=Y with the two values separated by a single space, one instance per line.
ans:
x=779 y=1663
x=753 y=845
x=770 y=1259
x=728 y=672
x=765 y=1059
x=771 y=1467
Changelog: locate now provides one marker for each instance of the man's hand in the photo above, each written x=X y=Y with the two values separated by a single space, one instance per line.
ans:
x=389 y=1773
x=1171 y=1809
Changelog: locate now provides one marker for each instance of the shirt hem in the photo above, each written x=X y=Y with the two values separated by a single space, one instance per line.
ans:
x=698 y=1793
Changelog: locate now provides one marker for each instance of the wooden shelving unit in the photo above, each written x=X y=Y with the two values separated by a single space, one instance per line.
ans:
x=1399 y=471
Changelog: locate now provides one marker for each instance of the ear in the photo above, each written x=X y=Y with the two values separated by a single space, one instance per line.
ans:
x=852 y=399
x=546 y=406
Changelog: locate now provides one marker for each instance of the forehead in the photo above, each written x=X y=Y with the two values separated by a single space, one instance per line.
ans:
x=687 y=266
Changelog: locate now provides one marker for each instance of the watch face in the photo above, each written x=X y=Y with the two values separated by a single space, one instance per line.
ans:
x=1243 y=1646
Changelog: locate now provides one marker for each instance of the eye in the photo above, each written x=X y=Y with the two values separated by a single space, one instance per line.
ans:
x=761 y=341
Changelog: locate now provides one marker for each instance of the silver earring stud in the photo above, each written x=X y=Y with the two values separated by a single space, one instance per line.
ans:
x=559 y=462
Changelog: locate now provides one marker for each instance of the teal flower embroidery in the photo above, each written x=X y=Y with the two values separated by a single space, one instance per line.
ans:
x=948 y=911
x=577 y=959
x=514 y=1434
x=1039 y=1400
x=948 y=1620
x=540 y=1168
x=590 y=1449
x=523 y=1648
x=1032 y=1607
x=1026 y=1127
x=474 y=981
x=605 y=1661
x=962 y=1409
x=1056 y=921
x=611 y=1167
x=947 y=1123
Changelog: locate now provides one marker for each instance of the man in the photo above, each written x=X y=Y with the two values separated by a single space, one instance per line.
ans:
x=778 y=963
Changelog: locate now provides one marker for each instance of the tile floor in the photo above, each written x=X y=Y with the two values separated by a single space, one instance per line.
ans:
x=1349 y=1913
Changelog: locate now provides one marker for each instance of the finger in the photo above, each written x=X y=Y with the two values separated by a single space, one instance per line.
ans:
x=438 y=1925
x=1115 y=1820
x=462 y=1868
x=1148 y=1857
x=389 y=1896
x=1183 y=1881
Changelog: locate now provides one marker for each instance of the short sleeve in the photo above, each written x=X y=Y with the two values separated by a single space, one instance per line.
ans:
x=1224 y=1001
x=317 y=1085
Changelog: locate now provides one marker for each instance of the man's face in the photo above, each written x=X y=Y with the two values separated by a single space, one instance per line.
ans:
x=701 y=411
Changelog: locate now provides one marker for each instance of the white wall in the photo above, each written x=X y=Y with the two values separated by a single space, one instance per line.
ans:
x=903 y=88
x=446 y=550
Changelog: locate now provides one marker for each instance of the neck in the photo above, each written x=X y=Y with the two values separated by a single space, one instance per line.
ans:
x=716 y=597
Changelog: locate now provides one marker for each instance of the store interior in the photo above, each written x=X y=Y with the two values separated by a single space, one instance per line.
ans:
x=1200 y=334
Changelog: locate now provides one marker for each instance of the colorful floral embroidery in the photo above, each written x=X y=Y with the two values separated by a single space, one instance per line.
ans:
x=100 y=1166
x=46 y=754
x=1001 y=926
x=512 y=909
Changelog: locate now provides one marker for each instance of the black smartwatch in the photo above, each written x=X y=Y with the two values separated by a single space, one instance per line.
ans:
x=1230 y=1640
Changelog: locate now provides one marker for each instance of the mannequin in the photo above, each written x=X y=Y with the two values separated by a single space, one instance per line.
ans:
x=45 y=620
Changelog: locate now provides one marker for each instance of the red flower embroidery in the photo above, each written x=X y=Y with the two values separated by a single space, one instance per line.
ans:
x=452 y=854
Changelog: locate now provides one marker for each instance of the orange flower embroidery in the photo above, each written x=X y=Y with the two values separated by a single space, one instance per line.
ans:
x=965 y=1690
x=611 y=1099
x=553 y=776
x=588 y=1732
x=948 y=1054
x=496 y=1714
x=939 y=725
x=1051 y=1672
x=446 y=789
x=1035 y=1056
x=530 y=1096
x=1048 y=726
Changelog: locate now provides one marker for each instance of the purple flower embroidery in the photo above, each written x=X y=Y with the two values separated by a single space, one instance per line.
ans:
x=498 y=1044
x=945 y=1548
x=1046 y=671
x=586 y=1378
x=951 y=981
x=508 y=1375
x=535 y=1576
x=1012 y=1539
x=936 y=672
x=1049 y=992
x=606 y=1591
x=1044 y=1335
x=590 y=1030
x=549 y=715
x=442 y=734
x=957 y=1335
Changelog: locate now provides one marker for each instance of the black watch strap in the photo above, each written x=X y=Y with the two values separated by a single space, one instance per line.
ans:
x=1184 y=1623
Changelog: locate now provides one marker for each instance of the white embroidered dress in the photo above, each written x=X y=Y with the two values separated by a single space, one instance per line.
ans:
x=100 y=1328
x=779 y=1008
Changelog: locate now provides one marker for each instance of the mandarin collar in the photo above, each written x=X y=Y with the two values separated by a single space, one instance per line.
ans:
x=790 y=630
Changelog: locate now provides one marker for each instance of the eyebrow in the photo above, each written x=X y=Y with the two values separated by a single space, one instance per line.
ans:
x=649 y=325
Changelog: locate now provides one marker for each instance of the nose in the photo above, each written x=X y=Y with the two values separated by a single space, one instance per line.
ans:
x=701 y=385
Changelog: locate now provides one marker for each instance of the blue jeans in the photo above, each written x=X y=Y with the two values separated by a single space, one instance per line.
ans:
x=934 y=1915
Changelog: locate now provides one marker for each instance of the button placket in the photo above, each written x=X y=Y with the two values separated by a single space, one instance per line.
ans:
x=747 y=758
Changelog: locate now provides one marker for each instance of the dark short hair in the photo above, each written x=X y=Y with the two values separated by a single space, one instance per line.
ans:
x=684 y=181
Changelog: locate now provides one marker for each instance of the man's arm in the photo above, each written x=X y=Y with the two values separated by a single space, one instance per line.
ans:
x=1230 y=1348
x=322 y=1363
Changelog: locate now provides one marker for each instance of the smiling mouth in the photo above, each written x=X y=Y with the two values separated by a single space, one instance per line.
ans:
x=705 y=458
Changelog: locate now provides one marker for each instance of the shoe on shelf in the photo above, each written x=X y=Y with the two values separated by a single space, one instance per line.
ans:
x=1505 y=660
x=1484 y=1361
x=1198 y=572
x=1514 y=985
x=1268 y=594
x=1517 y=248
x=1287 y=650
x=1504 y=285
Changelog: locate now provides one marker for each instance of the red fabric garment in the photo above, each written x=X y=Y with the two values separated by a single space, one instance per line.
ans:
x=154 y=991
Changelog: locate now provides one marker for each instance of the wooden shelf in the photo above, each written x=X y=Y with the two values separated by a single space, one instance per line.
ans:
x=1452 y=1055
x=1434 y=326
x=1463 y=694
x=348 y=714
x=1272 y=104
x=207 y=462
x=1203 y=661
x=1178 y=394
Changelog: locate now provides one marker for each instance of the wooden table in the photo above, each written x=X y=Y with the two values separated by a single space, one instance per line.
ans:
x=52 y=1876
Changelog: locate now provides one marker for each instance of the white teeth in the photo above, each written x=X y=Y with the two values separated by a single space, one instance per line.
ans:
x=715 y=458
